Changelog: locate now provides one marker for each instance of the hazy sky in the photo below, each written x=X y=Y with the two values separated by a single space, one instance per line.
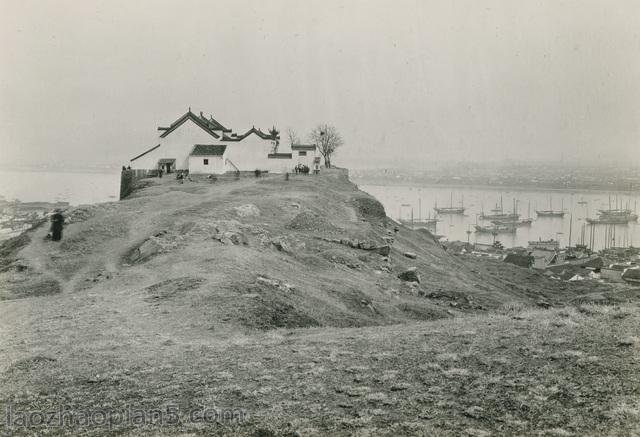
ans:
x=404 y=81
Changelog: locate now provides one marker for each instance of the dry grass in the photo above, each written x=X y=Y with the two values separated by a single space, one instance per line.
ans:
x=511 y=377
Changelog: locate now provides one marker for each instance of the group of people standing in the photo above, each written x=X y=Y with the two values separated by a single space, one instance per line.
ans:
x=302 y=169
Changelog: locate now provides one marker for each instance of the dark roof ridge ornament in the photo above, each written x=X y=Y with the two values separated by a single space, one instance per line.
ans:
x=203 y=123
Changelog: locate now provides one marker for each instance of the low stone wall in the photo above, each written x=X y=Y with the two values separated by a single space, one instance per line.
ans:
x=128 y=179
x=228 y=176
x=336 y=172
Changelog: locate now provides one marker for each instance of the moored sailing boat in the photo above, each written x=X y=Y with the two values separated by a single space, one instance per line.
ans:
x=517 y=223
x=623 y=214
x=614 y=216
x=495 y=229
x=550 y=212
x=512 y=219
x=450 y=209
x=610 y=219
x=498 y=214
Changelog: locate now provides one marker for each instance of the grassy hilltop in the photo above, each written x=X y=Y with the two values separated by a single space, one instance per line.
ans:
x=279 y=298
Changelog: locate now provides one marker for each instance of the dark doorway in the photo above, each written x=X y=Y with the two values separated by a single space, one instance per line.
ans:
x=168 y=167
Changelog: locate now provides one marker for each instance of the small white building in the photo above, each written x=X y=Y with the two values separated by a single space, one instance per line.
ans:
x=195 y=144
x=208 y=159
x=304 y=154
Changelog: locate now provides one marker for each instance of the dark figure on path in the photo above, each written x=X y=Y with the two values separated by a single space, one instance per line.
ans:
x=57 y=221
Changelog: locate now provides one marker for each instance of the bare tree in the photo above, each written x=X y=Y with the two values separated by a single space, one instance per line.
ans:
x=327 y=138
x=294 y=138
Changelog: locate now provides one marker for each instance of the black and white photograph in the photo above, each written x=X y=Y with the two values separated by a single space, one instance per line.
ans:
x=301 y=218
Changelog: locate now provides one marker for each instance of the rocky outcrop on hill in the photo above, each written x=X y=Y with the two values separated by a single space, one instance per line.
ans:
x=410 y=275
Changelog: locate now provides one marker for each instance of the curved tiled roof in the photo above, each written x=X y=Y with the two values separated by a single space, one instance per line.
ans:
x=216 y=129
x=253 y=130
x=206 y=126
x=214 y=124
x=208 y=150
x=279 y=156
x=303 y=147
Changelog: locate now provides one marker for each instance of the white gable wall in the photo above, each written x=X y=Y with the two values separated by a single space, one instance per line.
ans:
x=279 y=165
x=215 y=165
x=250 y=153
x=148 y=161
x=177 y=145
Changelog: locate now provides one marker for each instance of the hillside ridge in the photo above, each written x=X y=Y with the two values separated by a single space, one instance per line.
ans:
x=308 y=251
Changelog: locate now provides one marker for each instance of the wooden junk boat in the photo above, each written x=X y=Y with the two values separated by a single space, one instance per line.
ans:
x=450 y=209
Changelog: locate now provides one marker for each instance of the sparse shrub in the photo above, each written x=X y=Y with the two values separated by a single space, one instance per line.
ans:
x=447 y=356
x=369 y=207
x=511 y=308
x=257 y=172
x=10 y=248
x=592 y=309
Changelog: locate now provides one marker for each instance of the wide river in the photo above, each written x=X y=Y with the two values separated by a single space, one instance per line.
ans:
x=400 y=201
x=44 y=186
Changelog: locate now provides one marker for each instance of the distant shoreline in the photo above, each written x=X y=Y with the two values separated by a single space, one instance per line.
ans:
x=58 y=170
x=74 y=187
x=497 y=187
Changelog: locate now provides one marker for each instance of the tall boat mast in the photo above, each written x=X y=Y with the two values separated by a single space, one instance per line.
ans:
x=570 y=226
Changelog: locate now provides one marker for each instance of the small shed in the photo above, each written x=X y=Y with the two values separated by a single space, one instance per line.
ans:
x=543 y=258
x=613 y=273
x=208 y=159
x=304 y=154
x=632 y=276
x=520 y=260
